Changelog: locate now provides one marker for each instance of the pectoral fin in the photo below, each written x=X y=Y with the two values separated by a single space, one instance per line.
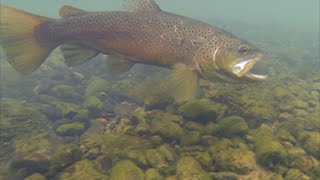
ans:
x=75 y=54
x=117 y=64
x=182 y=83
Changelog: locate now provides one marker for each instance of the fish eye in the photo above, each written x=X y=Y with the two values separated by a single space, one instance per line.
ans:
x=243 y=49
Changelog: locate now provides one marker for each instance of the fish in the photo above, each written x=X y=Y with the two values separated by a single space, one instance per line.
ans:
x=141 y=32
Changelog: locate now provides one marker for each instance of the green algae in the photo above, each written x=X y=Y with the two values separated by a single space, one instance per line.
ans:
x=35 y=176
x=92 y=102
x=96 y=86
x=201 y=110
x=64 y=156
x=240 y=161
x=153 y=174
x=295 y=174
x=187 y=167
x=33 y=143
x=115 y=144
x=83 y=169
x=232 y=126
x=127 y=170
x=310 y=141
x=71 y=129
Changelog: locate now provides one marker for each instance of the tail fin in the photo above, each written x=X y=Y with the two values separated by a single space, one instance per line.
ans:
x=18 y=39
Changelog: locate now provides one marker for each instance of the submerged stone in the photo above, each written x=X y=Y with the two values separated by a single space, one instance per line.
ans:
x=189 y=168
x=96 y=86
x=127 y=170
x=70 y=129
x=295 y=174
x=225 y=176
x=36 y=176
x=310 y=141
x=64 y=156
x=83 y=169
x=201 y=110
x=232 y=126
x=240 y=161
x=153 y=174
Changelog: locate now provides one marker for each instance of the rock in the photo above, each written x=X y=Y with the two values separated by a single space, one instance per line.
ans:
x=127 y=170
x=240 y=161
x=69 y=110
x=224 y=176
x=295 y=174
x=232 y=126
x=83 y=169
x=96 y=86
x=104 y=164
x=189 y=168
x=304 y=163
x=25 y=164
x=93 y=104
x=153 y=174
x=115 y=145
x=269 y=151
x=201 y=110
x=310 y=141
x=194 y=126
x=125 y=109
x=64 y=156
x=161 y=158
x=67 y=93
x=139 y=157
x=190 y=137
x=71 y=129
x=162 y=123
x=34 y=143
x=36 y=176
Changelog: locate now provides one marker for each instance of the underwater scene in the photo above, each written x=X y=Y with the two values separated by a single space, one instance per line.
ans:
x=159 y=90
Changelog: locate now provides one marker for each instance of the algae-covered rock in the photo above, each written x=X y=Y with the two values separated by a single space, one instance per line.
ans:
x=93 y=103
x=153 y=174
x=96 y=86
x=70 y=129
x=84 y=169
x=162 y=123
x=138 y=156
x=295 y=174
x=127 y=170
x=304 y=163
x=161 y=158
x=224 y=176
x=310 y=141
x=104 y=163
x=33 y=143
x=202 y=110
x=67 y=109
x=269 y=150
x=232 y=126
x=64 y=156
x=189 y=168
x=115 y=144
x=240 y=161
x=25 y=164
x=189 y=138
x=36 y=176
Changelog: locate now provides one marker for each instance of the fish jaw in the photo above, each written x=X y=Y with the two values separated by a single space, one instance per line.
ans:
x=242 y=69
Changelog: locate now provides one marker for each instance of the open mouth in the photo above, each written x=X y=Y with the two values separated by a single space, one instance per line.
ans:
x=243 y=69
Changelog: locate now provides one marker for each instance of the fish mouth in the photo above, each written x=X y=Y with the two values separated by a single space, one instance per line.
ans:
x=243 y=67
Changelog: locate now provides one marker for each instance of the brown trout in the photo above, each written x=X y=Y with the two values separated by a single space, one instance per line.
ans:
x=142 y=33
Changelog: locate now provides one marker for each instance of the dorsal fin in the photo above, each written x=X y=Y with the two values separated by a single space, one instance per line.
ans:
x=67 y=11
x=141 y=6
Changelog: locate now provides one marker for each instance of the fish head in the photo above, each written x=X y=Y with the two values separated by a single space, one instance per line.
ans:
x=231 y=61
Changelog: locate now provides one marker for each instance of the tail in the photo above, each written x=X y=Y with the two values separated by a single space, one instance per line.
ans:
x=18 y=39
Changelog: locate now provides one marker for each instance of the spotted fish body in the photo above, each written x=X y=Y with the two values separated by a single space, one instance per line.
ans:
x=141 y=34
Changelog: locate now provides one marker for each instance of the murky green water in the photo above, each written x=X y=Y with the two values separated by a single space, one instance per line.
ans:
x=82 y=123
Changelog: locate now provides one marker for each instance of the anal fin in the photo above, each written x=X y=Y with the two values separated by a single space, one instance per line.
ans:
x=75 y=54
x=118 y=64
